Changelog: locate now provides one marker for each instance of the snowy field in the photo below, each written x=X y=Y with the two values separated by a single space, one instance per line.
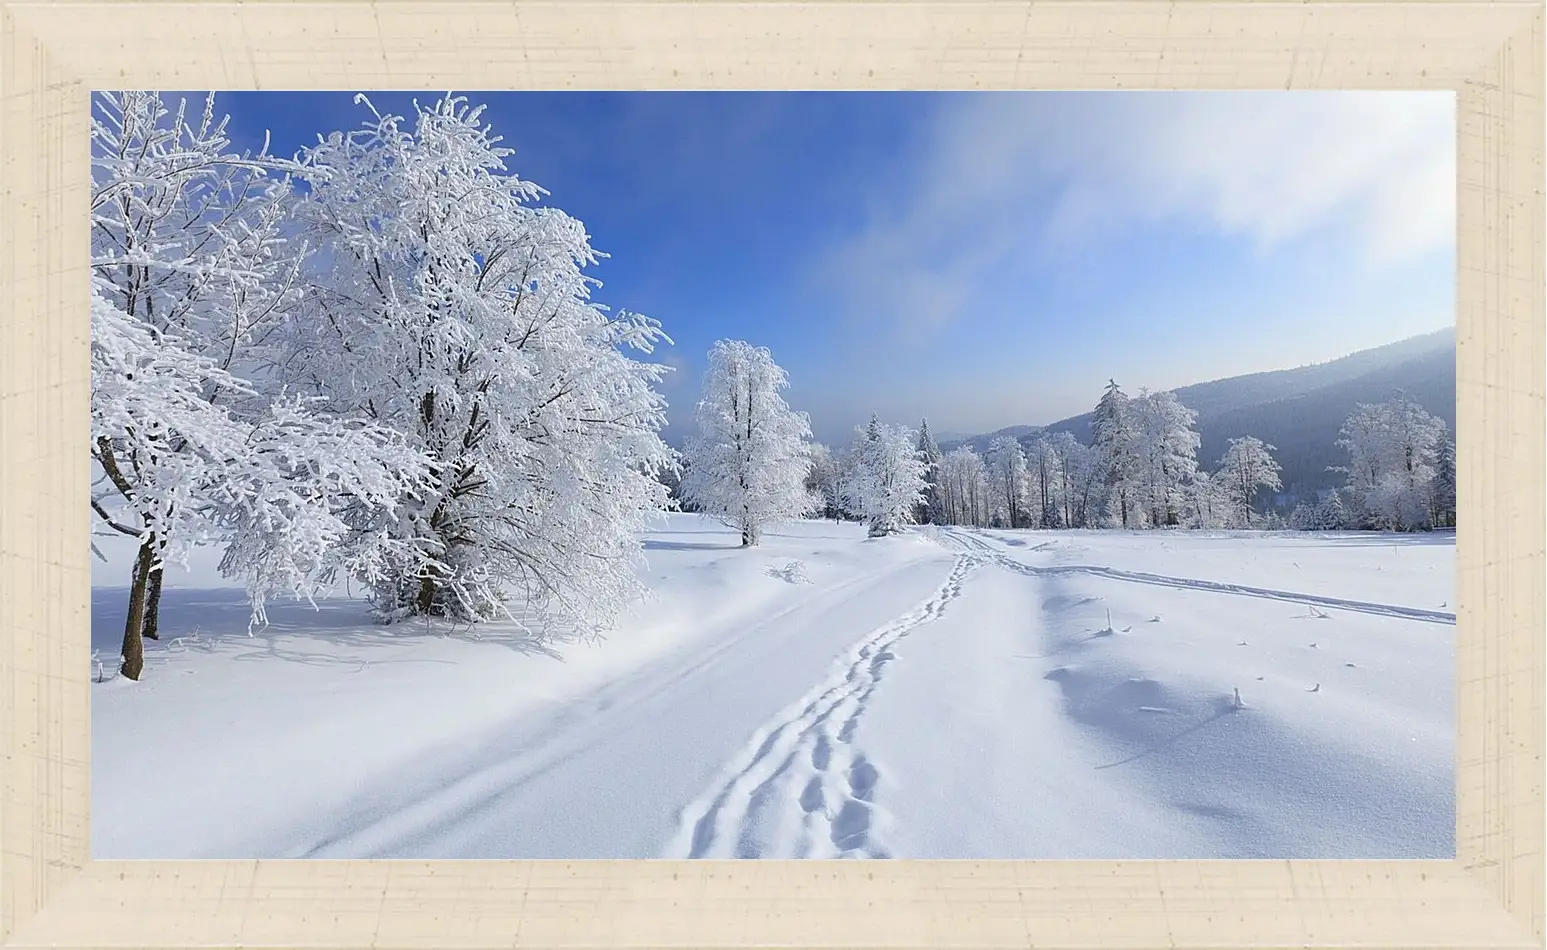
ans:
x=948 y=693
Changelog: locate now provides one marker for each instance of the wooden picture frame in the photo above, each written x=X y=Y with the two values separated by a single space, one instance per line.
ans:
x=52 y=54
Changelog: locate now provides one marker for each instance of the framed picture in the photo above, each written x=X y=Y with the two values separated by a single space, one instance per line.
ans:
x=838 y=474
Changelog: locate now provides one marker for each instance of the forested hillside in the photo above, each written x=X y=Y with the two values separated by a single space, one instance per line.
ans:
x=1299 y=411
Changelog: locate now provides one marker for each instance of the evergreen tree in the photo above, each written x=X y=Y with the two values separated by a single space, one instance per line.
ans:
x=929 y=511
x=887 y=483
x=1114 y=435
x=1330 y=514
x=1444 y=485
x=1303 y=517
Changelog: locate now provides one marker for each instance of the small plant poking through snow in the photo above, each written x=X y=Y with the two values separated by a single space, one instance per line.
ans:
x=794 y=572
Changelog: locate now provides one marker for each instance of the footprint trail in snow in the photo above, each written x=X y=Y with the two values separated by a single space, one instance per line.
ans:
x=800 y=788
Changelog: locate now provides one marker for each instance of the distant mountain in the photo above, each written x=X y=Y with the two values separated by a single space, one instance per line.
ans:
x=1299 y=411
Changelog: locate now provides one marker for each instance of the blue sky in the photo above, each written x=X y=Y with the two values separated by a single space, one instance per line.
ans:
x=984 y=259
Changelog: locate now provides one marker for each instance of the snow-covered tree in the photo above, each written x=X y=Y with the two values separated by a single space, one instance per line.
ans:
x=1167 y=450
x=1007 y=473
x=671 y=479
x=1044 y=485
x=193 y=291
x=1443 y=486
x=828 y=475
x=453 y=307
x=148 y=396
x=188 y=235
x=750 y=458
x=1204 y=505
x=277 y=490
x=1393 y=450
x=1304 y=517
x=184 y=235
x=964 y=487
x=1247 y=468
x=1330 y=513
x=952 y=503
x=1082 y=476
x=1393 y=504
x=1115 y=435
x=929 y=450
x=887 y=482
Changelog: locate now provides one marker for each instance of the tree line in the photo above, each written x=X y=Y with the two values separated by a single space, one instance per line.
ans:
x=1141 y=469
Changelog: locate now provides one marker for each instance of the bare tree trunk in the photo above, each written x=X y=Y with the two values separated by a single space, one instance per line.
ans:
x=134 y=641
x=1068 y=508
x=151 y=629
x=426 y=596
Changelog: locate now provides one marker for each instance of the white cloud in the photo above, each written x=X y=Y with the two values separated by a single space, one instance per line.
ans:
x=1008 y=175
x=1274 y=166
x=681 y=371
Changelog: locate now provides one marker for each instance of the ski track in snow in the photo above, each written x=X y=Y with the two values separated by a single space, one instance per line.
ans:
x=986 y=549
x=535 y=752
x=801 y=779
x=802 y=788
